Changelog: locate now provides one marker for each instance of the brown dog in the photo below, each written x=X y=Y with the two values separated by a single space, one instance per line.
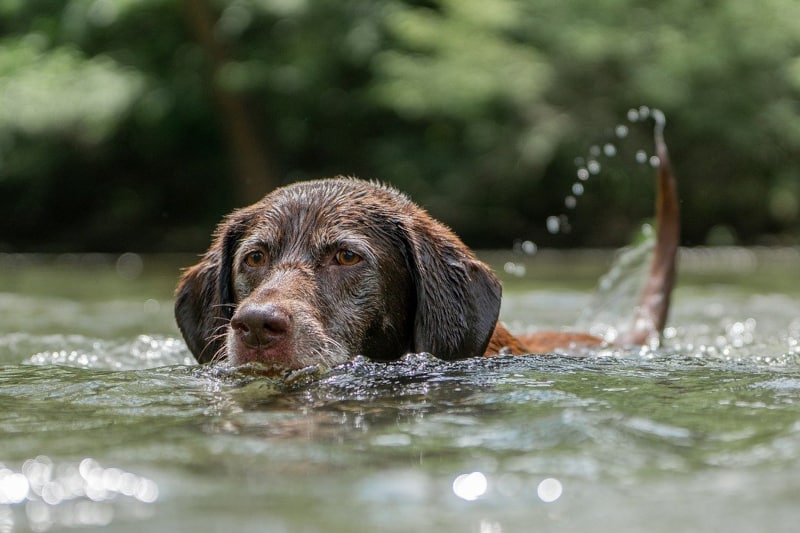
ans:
x=320 y=271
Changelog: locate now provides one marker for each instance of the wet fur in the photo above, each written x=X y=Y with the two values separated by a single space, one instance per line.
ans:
x=418 y=288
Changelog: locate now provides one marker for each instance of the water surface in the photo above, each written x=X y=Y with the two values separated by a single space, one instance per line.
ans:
x=106 y=421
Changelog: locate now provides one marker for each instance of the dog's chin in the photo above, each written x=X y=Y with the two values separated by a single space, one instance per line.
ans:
x=279 y=354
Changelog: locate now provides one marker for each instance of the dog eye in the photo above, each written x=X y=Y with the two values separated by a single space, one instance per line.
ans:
x=255 y=259
x=347 y=258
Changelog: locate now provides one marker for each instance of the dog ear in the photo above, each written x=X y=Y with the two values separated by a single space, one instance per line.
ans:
x=458 y=296
x=204 y=298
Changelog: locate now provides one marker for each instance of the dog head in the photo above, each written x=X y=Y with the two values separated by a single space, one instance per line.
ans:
x=320 y=271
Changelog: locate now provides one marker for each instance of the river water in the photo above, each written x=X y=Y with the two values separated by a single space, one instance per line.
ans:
x=106 y=421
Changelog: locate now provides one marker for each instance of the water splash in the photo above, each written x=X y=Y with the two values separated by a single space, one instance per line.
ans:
x=608 y=314
x=521 y=247
x=592 y=165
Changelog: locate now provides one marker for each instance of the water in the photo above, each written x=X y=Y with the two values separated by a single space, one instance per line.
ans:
x=105 y=421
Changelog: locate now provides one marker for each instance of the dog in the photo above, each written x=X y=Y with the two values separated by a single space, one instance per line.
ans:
x=320 y=271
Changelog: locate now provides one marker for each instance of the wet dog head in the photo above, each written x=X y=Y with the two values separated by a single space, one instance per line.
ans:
x=320 y=271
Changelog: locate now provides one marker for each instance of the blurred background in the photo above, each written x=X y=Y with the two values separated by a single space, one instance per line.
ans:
x=137 y=124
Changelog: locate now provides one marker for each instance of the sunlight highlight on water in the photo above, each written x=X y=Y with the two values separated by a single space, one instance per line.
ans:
x=475 y=485
x=59 y=495
x=145 y=351
x=549 y=490
x=470 y=486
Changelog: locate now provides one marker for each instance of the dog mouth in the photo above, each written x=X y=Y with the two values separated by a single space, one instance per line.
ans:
x=323 y=353
x=241 y=353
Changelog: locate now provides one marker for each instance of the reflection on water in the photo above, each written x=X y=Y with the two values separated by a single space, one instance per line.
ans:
x=106 y=421
x=549 y=490
x=470 y=486
x=70 y=494
x=475 y=485
x=144 y=351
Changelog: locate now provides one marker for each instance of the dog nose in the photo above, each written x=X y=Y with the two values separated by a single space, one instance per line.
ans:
x=261 y=325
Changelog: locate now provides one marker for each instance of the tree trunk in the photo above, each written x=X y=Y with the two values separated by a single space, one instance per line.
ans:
x=254 y=171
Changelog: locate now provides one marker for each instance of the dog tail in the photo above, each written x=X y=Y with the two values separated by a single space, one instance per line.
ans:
x=653 y=308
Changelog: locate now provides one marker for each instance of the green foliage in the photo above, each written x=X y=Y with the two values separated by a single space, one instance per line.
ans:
x=60 y=92
x=452 y=59
x=112 y=134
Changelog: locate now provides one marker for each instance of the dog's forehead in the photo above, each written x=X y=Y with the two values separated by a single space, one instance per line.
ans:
x=338 y=201
x=340 y=192
x=325 y=211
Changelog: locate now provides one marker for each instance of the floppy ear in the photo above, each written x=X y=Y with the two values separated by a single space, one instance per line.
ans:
x=204 y=297
x=458 y=296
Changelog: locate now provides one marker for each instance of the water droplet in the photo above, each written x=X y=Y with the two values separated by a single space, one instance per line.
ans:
x=151 y=306
x=655 y=161
x=644 y=112
x=610 y=150
x=641 y=156
x=594 y=151
x=553 y=224
x=577 y=189
x=564 y=224
x=633 y=115
x=659 y=117
x=519 y=270
x=583 y=174
x=579 y=161
x=129 y=266
x=529 y=247
x=570 y=202
x=593 y=167
x=621 y=131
